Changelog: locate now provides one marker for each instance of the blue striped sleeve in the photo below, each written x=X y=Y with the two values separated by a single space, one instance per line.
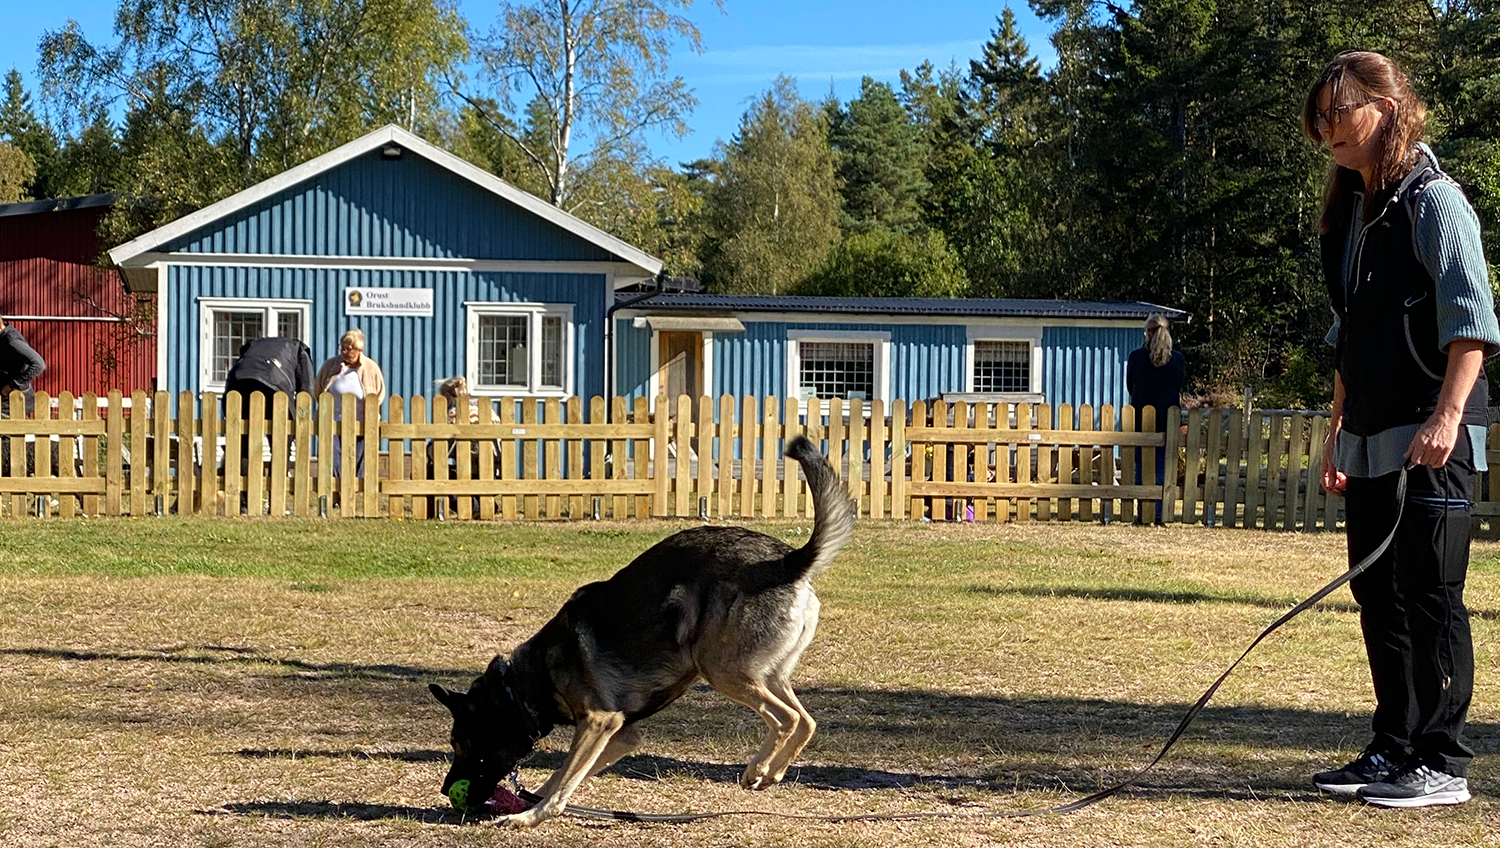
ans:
x=1446 y=232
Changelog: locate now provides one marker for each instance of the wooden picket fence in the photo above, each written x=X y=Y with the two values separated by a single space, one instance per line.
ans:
x=684 y=457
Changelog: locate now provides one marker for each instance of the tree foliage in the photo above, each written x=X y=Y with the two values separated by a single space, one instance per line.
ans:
x=219 y=94
x=589 y=73
x=16 y=173
x=886 y=263
x=878 y=154
x=774 y=211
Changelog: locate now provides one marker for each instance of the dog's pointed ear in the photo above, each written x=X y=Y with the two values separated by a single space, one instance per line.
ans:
x=443 y=696
x=498 y=666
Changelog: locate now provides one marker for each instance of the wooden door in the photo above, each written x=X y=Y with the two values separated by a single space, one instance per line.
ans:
x=681 y=370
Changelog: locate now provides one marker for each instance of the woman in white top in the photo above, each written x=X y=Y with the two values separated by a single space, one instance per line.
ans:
x=350 y=373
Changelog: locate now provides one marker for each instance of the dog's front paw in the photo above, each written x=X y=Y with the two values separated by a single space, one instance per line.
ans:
x=522 y=821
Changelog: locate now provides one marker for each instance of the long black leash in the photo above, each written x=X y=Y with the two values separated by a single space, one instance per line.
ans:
x=1072 y=806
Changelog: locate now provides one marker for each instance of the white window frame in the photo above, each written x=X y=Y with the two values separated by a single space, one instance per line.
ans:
x=269 y=306
x=534 y=312
x=1031 y=336
x=882 y=343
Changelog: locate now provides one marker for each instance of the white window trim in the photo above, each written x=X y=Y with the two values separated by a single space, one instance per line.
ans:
x=882 y=342
x=534 y=312
x=208 y=305
x=1030 y=335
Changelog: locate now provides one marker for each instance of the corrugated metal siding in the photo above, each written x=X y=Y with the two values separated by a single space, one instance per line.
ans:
x=1087 y=365
x=926 y=360
x=752 y=362
x=413 y=352
x=632 y=359
x=405 y=208
x=48 y=270
x=90 y=356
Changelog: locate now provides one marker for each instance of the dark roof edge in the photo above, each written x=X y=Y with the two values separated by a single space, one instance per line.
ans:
x=57 y=204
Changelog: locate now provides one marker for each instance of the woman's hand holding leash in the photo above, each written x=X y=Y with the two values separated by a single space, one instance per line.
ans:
x=1434 y=442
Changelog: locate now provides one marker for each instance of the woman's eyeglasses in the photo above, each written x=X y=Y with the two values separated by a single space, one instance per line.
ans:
x=1334 y=114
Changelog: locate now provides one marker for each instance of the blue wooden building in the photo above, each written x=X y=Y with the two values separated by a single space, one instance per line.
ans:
x=447 y=269
x=450 y=270
x=888 y=348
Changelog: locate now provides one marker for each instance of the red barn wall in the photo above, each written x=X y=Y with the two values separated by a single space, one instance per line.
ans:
x=55 y=293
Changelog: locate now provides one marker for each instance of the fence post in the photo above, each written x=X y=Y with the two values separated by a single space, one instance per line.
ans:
x=1170 y=491
x=749 y=441
x=661 y=478
x=114 y=454
x=770 y=449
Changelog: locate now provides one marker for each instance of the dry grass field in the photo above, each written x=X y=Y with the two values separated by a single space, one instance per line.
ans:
x=246 y=683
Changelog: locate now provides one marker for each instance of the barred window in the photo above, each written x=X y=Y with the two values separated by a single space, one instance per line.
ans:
x=837 y=369
x=520 y=348
x=503 y=354
x=552 y=351
x=1002 y=366
x=225 y=324
x=232 y=329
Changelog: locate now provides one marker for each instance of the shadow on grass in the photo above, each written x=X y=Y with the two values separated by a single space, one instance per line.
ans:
x=1094 y=593
x=219 y=655
x=996 y=800
x=332 y=810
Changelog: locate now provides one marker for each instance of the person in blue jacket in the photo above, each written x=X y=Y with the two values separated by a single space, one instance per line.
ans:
x=1153 y=377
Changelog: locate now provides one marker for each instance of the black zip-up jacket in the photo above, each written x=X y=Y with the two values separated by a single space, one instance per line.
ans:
x=19 y=363
x=1387 y=350
x=279 y=364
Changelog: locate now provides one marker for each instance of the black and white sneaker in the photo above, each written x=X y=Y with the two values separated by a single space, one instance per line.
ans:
x=1367 y=768
x=1416 y=786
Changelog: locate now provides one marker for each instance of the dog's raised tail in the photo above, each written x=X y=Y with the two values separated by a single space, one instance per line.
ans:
x=833 y=511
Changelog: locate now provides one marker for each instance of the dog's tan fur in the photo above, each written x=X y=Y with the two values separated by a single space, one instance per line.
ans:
x=726 y=604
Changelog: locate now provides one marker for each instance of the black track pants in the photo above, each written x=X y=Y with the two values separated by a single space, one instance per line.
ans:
x=1416 y=627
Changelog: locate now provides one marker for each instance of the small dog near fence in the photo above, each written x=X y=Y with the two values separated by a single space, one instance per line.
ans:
x=730 y=605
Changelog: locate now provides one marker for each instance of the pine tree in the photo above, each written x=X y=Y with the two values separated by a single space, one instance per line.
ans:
x=29 y=135
x=878 y=157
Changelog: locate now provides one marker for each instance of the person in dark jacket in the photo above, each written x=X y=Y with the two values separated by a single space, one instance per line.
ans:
x=1414 y=321
x=269 y=365
x=19 y=365
x=266 y=366
x=1153 y=377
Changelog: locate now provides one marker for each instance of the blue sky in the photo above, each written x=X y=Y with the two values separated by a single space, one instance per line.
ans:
x=825 y=44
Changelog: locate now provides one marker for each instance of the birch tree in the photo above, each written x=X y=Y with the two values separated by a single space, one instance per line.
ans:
x=589 y=74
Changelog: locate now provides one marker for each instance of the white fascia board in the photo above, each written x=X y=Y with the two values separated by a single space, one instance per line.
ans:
x=645 y=311
x=381 y=263
x=130 y=252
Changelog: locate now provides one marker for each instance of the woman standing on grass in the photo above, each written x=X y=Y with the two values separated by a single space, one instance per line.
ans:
x=1413 y=323
x=1153 y=377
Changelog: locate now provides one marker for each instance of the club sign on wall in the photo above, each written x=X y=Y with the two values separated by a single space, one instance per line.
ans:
x=361 y=300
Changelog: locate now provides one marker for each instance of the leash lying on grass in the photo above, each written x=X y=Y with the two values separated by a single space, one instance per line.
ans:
x=1086 y=801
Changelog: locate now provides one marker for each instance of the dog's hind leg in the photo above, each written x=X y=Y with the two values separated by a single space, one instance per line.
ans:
x=591 y=738
x=781 y=726
x=802 y=734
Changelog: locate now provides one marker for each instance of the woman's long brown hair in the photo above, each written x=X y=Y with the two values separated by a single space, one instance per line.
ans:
x=1355 y=77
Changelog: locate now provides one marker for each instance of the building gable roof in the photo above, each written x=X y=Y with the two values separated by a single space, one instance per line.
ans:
x=145 y=249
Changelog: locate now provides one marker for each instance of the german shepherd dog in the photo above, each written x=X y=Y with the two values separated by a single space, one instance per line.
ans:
x=730 y=605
